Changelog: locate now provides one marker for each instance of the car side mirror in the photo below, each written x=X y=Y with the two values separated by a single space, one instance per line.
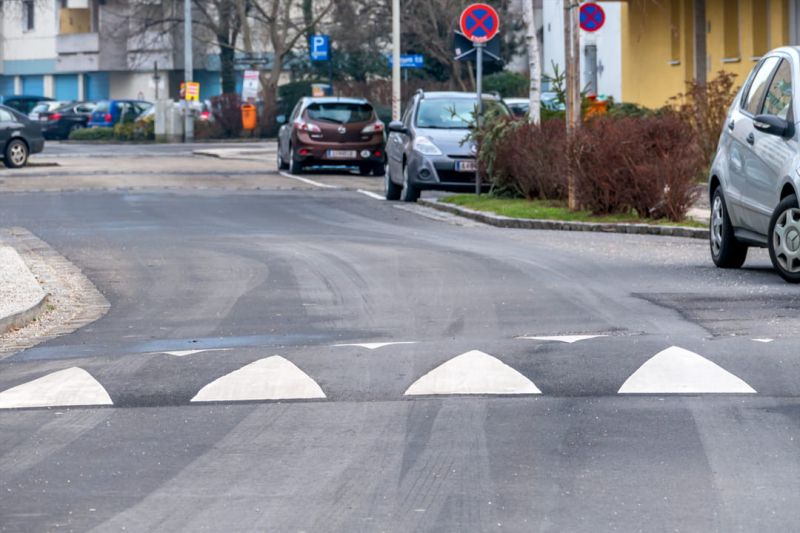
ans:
x=398 y=127
x=772 y=125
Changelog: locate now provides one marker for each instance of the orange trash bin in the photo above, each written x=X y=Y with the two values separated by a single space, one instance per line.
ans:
x=249 y=116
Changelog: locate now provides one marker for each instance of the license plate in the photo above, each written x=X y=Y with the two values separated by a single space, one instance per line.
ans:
x=341 y=154
x=466 y=166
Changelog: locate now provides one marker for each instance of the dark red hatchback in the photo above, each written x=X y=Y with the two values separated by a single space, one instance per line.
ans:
x=332 y=131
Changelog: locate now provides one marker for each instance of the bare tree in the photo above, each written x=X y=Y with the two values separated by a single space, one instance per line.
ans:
x=532 y=41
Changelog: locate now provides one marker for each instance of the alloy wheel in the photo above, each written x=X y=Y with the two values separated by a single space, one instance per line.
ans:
x=716 y=226
x=786 y=240
x=18 y=154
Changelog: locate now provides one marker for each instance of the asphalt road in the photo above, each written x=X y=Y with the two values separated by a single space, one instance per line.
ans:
x=678 y=410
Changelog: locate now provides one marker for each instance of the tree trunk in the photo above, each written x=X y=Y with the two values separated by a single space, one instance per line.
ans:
x=529 y=18
x=227 y=65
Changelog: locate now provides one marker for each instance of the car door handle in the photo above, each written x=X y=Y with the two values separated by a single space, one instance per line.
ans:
x=731 y=124
x=751 y=139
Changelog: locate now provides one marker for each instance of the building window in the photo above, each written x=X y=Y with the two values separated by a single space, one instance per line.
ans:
x=675 y=31
x=760 y=29
x=28 y=13
x=731 y=30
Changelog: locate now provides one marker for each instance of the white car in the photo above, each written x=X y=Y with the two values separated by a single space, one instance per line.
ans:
x=755 y=177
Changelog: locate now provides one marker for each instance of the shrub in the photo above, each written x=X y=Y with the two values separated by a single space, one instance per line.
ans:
x=227 y=114
x=124 y=131
x=704 y=108
x=206 y=129
x=641 y=164
x=529 y=159
x=92 y=134
x=508 y=84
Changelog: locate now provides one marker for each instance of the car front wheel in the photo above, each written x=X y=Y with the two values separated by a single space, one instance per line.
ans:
x=784 y=239
x=726 y=251
x=410 y=193
x=16 y=154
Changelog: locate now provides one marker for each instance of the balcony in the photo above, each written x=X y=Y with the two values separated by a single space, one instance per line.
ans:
x=78 y=43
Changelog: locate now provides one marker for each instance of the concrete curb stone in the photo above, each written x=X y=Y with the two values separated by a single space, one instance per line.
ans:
x=558 y=225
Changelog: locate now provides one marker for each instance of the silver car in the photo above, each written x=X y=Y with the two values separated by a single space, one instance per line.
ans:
x=427 y=149
x=755 y=176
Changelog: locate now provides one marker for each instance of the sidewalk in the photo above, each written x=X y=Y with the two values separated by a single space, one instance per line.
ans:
x=21 y=296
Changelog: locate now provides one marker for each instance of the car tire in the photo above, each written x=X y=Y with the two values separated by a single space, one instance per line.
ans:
x=379 y=169
x=16 y=154
x=784 y=239
x=282 y=165
x=295 y=166
x=726 y=251
x=410 y=193
x=392 y=189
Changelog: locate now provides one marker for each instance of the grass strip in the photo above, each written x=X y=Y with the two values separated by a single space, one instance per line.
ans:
x=549 y=210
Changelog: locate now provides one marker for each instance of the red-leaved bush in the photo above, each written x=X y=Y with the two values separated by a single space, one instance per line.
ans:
x=646 y=164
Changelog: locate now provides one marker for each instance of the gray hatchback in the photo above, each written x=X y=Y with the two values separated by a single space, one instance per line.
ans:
x=427 y=149
x=755 y=176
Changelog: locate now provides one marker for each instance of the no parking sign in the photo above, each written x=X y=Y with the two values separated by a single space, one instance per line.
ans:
x=592 y=17
x=479 y=23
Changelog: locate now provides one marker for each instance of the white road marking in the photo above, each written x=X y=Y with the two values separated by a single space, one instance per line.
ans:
x=679 y=371
x=273 y=378
x=183 y=353
x=375 y=345
x=306 y=180
x=473 y=373
x=762 y=340
x=563 y=338
x=73 y=386
x=371 y=194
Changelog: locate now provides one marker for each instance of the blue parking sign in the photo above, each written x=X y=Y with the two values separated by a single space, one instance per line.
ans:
x=320 y=49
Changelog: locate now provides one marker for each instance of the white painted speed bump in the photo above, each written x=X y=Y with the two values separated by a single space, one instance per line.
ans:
x=375 y=345
x=679 y=371
x=472 y=373
x=273 y=378
x=184 y=353
x=763 y=340
x=563 y=338
x=70 y=387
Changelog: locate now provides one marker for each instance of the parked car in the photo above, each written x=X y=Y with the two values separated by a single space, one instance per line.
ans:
x=22 y=103
x=426 y=149
x=108 y=112
x=60 y=122
x=754 y=181
x=45 y=107
x=332 y=131
x=19 y=137
x=519 y=106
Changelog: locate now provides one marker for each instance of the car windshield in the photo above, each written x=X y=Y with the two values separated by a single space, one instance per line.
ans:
x=340 y=113
x=458 y=114
x=102 y=107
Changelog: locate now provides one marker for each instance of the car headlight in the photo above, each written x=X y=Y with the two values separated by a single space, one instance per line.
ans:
x=426 y=147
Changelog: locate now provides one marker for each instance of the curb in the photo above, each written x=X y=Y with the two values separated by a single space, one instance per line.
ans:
x=559 y=225
x=22 y=318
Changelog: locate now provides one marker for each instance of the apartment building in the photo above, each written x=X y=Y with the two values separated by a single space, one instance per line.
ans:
x=92 y=50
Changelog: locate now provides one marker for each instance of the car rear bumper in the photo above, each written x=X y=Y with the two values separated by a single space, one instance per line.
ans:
x=309 y=151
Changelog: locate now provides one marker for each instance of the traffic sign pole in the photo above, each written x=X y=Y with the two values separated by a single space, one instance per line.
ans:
x=479 y=119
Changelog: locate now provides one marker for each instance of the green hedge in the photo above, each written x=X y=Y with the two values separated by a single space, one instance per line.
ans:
x=92 y=134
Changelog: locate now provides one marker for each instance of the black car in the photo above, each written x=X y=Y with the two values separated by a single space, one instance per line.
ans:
x=22 y=102
x=19 y=137
x=60 y=122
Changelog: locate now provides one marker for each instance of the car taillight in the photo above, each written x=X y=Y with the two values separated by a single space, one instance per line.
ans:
x=204 y=115
x=302 y=125
x=108 y=117
x=54 y=117
x=375 y=127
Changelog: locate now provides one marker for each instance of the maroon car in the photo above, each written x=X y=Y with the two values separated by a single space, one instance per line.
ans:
x=332 y=131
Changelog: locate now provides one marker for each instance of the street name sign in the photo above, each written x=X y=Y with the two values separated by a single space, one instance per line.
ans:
x=408 y=61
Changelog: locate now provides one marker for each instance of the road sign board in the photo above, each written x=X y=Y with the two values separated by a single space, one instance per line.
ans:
x=250 y=85
x=465 y=49
x=190 y=90
x=320 y=48
x=479 y=23
x=592 y=17
x=408 y=61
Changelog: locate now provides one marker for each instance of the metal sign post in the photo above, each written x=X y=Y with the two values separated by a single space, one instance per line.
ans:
x=479 y=24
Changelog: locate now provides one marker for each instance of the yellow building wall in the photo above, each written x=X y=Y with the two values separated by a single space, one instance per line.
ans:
x=650 y=75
